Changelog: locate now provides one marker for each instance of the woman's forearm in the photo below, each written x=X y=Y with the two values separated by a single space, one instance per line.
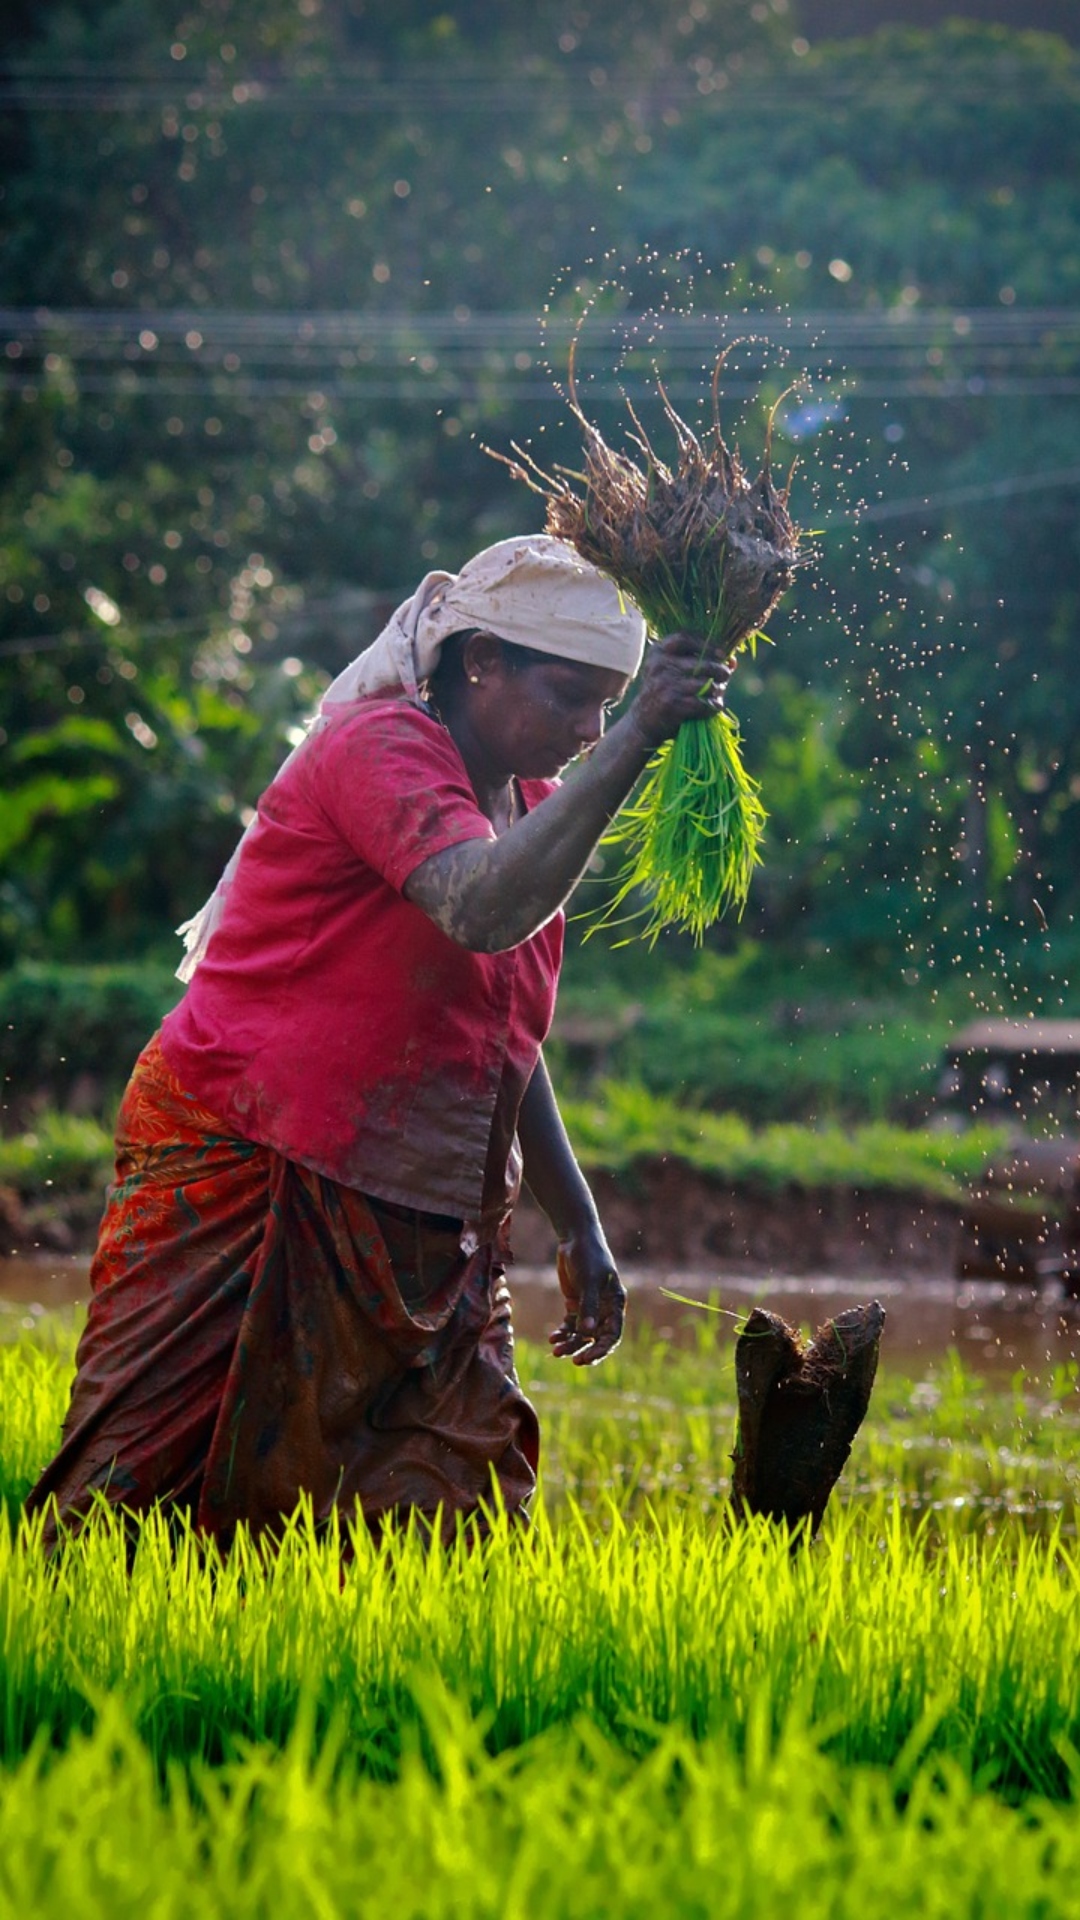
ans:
x=594 y=1296
x=489 y=895
x=492 y=894
x=549 y=1165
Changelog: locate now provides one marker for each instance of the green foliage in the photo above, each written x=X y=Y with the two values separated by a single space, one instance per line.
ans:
x=601 y=1697
x=60 y=1026
x=761 y=1031
x=64 y=1153
x=618 y=1126
x=926 y=673
x=622 y=1124
x=855 y=1062
x=568 y=1826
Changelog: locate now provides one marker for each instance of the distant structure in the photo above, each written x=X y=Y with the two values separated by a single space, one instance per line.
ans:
x=1025 y=1072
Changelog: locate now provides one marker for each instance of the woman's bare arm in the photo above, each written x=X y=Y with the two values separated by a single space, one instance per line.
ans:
x=593 y=1293
x=489 y=895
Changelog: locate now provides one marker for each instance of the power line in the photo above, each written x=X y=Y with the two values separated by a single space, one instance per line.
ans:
x=73 y=637
x=637 y=93
x=856 y=517
x=1019 y=483
x=80 y=87
x=235 y=390
x=644 y=328
x=895 y=352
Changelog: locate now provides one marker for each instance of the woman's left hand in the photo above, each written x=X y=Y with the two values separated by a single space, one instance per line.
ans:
x=595 y=1300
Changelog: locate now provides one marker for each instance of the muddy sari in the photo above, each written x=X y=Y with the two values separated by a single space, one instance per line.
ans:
x=258 y=1331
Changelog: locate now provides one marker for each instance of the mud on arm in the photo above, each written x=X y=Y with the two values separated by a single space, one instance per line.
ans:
x=489 y=895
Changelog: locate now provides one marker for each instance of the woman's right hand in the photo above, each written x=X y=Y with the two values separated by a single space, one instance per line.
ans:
x=681 y=679
x=491 y=894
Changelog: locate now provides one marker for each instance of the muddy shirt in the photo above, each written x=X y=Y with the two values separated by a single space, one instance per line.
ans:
x=332 y=1020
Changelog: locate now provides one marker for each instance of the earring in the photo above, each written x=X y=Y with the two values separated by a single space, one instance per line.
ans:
x=474 y=679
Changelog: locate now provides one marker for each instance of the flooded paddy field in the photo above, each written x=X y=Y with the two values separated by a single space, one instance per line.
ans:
x=608 y=1696
x=975 y=1414
x=995 y=1327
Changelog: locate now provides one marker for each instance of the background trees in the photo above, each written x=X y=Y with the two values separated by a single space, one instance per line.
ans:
x=273 y=273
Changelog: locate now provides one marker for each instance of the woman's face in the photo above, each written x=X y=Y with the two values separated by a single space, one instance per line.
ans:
x=535 y=719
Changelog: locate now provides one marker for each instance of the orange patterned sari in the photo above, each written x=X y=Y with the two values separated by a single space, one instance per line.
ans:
x=257 y=1331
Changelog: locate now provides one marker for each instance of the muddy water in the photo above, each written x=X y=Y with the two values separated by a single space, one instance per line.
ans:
x=995 y=1327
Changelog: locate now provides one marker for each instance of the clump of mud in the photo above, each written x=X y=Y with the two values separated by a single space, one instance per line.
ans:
x=800 y=1408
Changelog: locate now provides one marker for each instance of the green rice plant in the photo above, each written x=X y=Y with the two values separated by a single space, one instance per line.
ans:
x=633 y=1707
x=681 y=1624
x=937 y=1607
x=565 y=1827
x=680 y=1620
x=35 y=1377
x=691 y=834
x=652 y=1430
x=700 y=548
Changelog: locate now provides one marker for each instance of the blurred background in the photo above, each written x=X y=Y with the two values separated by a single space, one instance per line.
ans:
x=274 y=275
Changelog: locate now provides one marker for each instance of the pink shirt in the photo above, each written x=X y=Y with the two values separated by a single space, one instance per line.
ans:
x=333 y=1021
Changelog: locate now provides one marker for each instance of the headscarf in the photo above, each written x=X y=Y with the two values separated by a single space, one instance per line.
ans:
x=532 y=590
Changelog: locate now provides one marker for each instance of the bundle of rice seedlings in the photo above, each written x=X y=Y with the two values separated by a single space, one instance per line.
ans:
x=701 y=548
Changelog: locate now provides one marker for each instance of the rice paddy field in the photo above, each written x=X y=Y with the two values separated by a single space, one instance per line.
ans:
x=637 y=1706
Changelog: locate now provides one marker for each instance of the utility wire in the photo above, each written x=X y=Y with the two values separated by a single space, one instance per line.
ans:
x=235 y=389
x=898 y=352
x=1020 y=483
x=120 y=636
x=642 y=330
x=87 y=87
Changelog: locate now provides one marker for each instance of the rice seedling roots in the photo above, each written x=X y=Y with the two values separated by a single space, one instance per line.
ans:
x=705 y=549
x=800 y=1409
x=699 y=544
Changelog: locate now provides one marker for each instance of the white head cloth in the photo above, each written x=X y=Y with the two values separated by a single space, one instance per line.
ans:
x=532 y=590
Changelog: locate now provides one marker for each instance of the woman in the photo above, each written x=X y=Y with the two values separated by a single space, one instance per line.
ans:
x=298 y=1285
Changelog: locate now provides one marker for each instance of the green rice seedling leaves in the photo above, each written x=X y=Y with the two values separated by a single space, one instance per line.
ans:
x=674 y=1621
x=636 y=1705
x=936 y=1616
x=701 y=548
x=566 y=1827
x=691 y=834
x=34 y=1385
